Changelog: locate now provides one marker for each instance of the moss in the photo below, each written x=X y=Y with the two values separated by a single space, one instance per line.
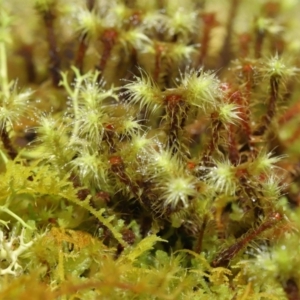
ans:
x=149 y=150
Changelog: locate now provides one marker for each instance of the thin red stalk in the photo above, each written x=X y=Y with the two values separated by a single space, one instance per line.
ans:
x=244 y=43
x=158 y=57
x=236 y=97
x=54 y=64
x=274 y=84
x=225 y=53
x=292 y=112
x=258 y=44
x=108 y=39
x=211 y=146
x=83 y=45
x=219 y=216
x=248 y=75
x=267 y=119
x=224 y=257
x=132 y=69
x=234 y=155
x=174 y=110
x=209 y=21
x=198 y=247
x=244 y=113
x=27 y=53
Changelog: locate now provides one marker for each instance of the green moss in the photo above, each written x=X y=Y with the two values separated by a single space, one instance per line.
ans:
x=149 y=149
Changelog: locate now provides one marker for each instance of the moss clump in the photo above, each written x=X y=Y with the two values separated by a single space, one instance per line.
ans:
x=149 y=150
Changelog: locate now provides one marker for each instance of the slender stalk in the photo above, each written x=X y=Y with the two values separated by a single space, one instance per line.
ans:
x=209 y=20
x=224 y=257
x=27 y=53
x=258 y=44
x=212 y=145
x=108 y=39
x=54 y=65
x=83 y=45
x=158 y=60
x=9 y=212
x=244 y=112
x=234 y=155
x=244 y=44
x=273 y=99
x=3 y=71
x=198 y=247
x=175 y=110
x=226 y=54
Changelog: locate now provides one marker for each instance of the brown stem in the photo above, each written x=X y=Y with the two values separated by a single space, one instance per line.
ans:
x=54 y=64
x=108 y=39
x=220 y=226
x=244 y=113
x=234 y=155
x=11 y=151
x=267 y=119
x=198 y=247
x=244 y=43
x=174 y=110
x=158 y=59
x=259 y=39
x=226 y=54
x=292 y=112
x=209 y=20
x=211 y=147
x=274 y=84
x=225 y=256
x=83 y=45
x=27 y=53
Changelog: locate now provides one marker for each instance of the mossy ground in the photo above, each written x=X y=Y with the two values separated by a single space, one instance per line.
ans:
x=149 y=149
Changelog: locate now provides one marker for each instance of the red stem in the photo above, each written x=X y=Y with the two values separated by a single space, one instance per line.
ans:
x=234 y=155
x=267 y=119
x=226 y=54
x=209 y=20
x=108 y=39
x=224 y=257
x=81 y=53
x=54 y=65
